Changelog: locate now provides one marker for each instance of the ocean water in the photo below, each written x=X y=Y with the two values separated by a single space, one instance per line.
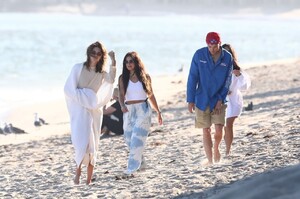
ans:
x=38 y=50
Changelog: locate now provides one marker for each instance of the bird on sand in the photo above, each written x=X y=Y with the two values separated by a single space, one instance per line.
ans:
x=13 y=129
x=39 y=121
x=181 y=68
x=6 y=128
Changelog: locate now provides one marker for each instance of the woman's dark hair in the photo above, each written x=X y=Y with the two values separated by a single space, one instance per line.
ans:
x=139 y=70
x=100 y=65
x=230 y=49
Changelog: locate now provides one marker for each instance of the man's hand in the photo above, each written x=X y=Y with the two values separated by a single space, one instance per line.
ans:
x=217 y=109
x=191 y=107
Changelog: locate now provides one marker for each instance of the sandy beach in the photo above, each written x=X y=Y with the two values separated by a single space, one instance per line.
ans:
x=264 y=161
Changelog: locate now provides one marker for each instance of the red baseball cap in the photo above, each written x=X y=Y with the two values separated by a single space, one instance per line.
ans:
x=213 y=38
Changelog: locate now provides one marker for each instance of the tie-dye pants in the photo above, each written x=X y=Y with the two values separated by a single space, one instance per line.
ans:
x=137 y=122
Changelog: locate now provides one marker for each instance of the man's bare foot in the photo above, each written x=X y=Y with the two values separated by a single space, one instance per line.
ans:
x=206 y=163
x=227 y=154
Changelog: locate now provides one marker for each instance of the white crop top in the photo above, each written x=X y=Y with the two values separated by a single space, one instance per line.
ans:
x=135 y=91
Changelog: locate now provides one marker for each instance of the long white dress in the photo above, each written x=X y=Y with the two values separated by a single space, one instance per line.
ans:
x=235 y=97
x=86 y=93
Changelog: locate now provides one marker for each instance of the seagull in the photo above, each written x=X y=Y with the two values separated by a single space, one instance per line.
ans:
x=181 y=68
x=39 y=121
x=15 y=130
x=6 y=128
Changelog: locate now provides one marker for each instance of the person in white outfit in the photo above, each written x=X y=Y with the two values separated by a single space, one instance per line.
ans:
x=88 y=88
x=240 y=82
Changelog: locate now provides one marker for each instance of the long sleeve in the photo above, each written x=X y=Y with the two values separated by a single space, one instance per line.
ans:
x=244 y=82
x=106 y=90
x=193 y=81
x=224 y=90
x=111 y=75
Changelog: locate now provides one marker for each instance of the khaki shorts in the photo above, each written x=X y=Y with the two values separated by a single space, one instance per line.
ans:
x=204 y=119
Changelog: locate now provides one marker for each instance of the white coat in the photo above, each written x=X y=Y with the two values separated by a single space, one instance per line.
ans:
x=86 y=111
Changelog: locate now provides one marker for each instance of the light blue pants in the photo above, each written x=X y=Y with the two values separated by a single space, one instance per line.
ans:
x=137 y=122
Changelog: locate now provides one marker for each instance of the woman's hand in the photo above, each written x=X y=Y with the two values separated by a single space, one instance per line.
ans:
x=236 y=72
x=111 y=54
x=159 y=118
x=124 y=109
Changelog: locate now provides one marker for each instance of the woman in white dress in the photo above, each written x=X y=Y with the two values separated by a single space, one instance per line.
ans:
x=88 y=88
x=240 y=82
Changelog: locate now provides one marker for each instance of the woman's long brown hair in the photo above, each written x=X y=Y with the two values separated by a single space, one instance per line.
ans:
x=100 y=65
x=139 y=70
x=230 y=49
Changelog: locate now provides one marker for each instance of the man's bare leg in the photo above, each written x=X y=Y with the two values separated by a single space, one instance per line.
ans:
x=218 y=138
x=207 y=144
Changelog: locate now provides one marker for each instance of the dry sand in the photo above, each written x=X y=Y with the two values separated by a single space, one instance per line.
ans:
x=266 y=139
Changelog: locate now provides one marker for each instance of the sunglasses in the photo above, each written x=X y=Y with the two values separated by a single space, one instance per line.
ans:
x=129 y=62
x=94 y=53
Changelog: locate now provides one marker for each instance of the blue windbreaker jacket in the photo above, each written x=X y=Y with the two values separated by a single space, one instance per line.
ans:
x=209 y=82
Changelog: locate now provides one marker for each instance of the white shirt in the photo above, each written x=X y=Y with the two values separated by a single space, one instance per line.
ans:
x=135 y=91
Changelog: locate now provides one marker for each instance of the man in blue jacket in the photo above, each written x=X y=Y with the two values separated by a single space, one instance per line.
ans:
x=208 y=84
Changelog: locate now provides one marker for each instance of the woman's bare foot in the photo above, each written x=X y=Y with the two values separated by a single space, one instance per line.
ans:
x=77 y=176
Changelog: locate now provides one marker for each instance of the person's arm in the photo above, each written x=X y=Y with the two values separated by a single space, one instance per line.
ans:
x=244 y=81
x=154 y=104
x=193 y=80
x=109 y=110
x=122 y=95
x=110 y=77
x=225 y=89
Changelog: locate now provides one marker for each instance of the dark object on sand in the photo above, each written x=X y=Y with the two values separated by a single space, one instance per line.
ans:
x=249 y=107
x=15 y=130
x=6 y=129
